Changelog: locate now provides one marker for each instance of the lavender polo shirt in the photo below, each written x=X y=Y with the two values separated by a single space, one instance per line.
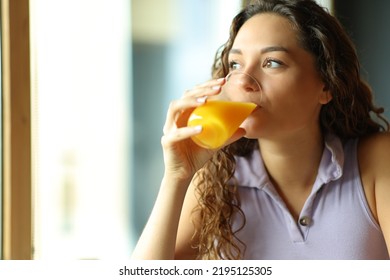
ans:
x=335 y=222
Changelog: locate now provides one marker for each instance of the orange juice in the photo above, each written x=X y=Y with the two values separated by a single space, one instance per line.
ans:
x=219 y=119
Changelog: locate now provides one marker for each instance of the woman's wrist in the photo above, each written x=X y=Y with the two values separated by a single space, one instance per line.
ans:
x=177 y=178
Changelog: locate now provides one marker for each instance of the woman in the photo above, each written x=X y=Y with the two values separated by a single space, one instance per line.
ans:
x=305 y=177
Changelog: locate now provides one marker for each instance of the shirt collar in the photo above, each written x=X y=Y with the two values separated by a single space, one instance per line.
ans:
x=251 y=172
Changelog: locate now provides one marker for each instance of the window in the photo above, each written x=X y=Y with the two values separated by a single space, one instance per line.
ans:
x=91 y=82
x=174 y=43
x=101 y=91
x=82 y=129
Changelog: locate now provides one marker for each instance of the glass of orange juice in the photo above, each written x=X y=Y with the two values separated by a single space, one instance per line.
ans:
x=219 y=116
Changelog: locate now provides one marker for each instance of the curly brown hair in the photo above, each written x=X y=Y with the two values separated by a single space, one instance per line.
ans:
x=351 y=113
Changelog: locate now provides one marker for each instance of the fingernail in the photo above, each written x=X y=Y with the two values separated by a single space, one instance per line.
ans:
x=220 y=79
x=216 y=87
x=201 y=99
x=198 y=128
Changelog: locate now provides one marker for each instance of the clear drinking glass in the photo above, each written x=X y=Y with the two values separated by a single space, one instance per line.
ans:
x=219 y=116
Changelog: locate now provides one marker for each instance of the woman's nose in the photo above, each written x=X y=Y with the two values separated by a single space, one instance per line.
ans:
x=244 y=81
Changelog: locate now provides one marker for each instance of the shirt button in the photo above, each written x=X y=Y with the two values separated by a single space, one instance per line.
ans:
x=305 y=221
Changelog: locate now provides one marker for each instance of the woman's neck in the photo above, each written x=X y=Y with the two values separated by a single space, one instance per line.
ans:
x=292 y=164
x=293 y=161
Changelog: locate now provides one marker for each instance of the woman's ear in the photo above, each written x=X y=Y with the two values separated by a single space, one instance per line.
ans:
x=325 y=96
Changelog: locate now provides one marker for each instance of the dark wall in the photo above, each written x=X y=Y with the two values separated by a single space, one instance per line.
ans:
x=368 y=23
x=149 y=91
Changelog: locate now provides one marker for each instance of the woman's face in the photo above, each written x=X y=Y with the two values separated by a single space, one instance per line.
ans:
x=292 y=92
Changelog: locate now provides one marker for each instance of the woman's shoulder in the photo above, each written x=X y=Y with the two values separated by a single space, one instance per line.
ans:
x=375 y=148
x=374 y=155
x=374 y=163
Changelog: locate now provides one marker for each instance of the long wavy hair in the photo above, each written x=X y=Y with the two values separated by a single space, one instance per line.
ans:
x=351 y=113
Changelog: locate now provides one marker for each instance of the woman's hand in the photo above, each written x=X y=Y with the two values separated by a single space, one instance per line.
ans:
x=182 y=157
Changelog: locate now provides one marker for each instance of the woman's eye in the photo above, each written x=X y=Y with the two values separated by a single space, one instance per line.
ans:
x=272 y=63
x=233 y=65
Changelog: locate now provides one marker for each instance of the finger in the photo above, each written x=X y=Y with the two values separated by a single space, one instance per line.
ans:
x=179 y=134
x=208 y=88
x=202 y=91
x=212 y=83
x=179 y=111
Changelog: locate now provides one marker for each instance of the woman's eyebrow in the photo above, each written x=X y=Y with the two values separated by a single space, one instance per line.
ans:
x=274 y=49
x=263 y=50
x=235 y=51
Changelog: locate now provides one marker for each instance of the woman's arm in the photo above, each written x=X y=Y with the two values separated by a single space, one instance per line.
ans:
x=182 y=159
x=381 y=155
x=158 y=239
x=188 y=221
x=374 y=162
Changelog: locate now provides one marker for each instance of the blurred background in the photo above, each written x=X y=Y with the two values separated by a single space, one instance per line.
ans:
x=103 y=74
